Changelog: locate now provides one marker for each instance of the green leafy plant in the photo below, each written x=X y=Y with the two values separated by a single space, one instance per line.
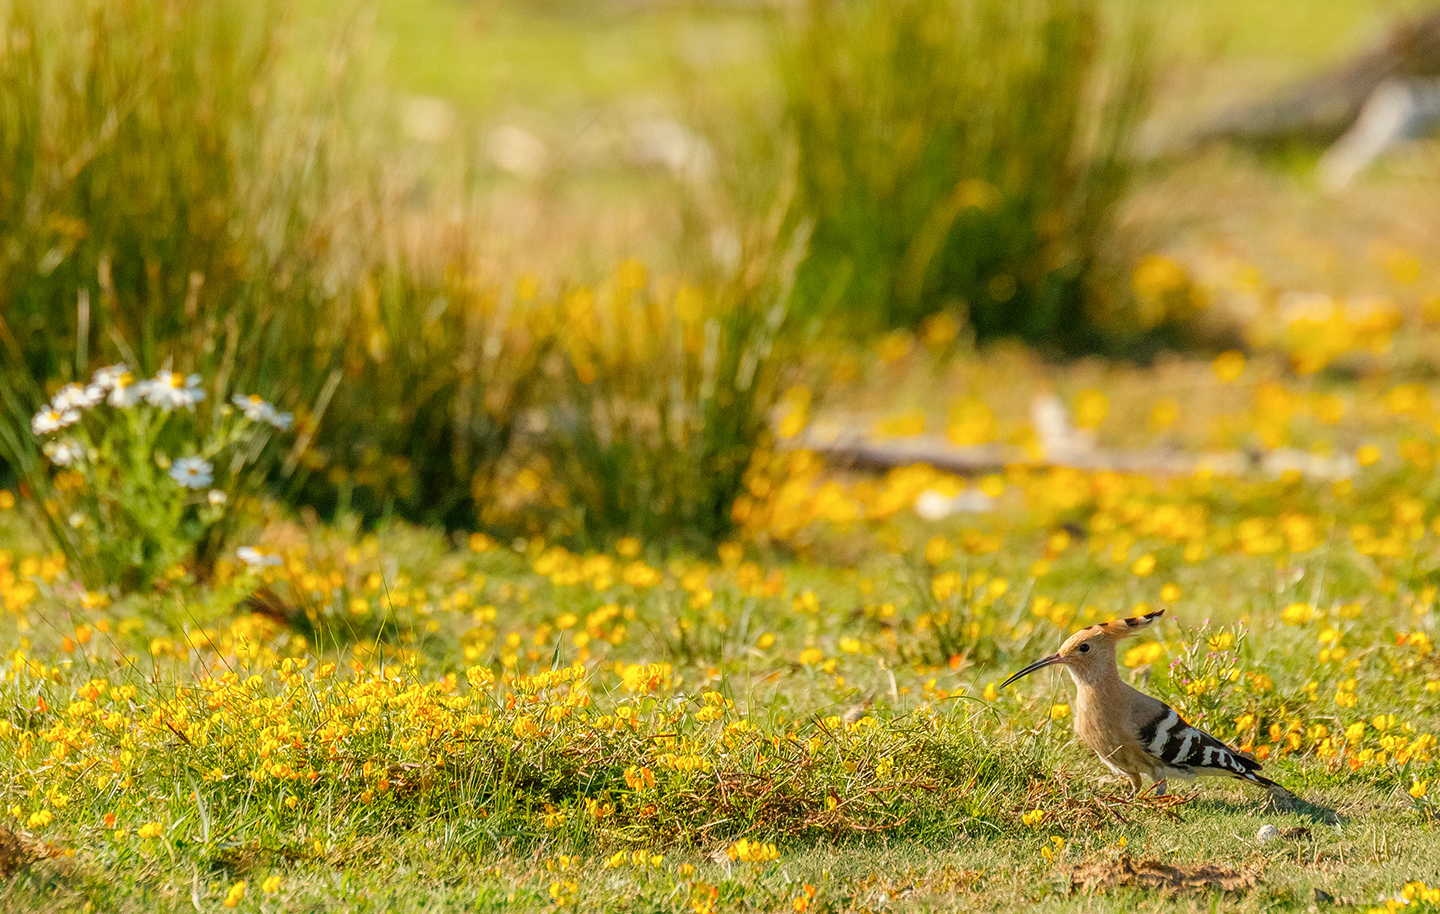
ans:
x=141 y=482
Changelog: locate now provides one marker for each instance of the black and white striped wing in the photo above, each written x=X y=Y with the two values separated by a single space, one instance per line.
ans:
x=1175 y=744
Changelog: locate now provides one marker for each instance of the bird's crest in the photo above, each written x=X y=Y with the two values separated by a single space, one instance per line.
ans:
x=1120 y=628
x=1124 y=628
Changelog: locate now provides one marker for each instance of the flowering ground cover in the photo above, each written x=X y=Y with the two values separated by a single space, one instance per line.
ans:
x=805 y=719
x=709 y=665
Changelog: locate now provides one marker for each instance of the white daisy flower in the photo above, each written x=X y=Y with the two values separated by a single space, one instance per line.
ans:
x=217 y=498
x=73 y=396
x=192 y=472
x=51 y=419
x=63 y=453
x=256 y=409
x=117 y=385
x=255 y=558
x=126 y=391
x=106 y=378
x=169 y=390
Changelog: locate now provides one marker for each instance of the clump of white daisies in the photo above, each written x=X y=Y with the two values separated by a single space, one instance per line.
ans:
x=140 y=480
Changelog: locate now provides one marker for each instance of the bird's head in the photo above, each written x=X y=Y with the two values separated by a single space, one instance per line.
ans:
x=1090 y=651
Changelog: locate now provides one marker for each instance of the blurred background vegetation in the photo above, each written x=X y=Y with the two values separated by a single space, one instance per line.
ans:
x=552 y=267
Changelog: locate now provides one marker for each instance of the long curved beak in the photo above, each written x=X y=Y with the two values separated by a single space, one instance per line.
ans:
x=1037 y=665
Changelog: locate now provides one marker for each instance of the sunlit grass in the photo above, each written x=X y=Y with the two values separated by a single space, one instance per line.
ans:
x=618 y=727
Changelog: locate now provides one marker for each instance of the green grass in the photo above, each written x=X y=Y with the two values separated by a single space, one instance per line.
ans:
x=1348 y=862
x=430 y=791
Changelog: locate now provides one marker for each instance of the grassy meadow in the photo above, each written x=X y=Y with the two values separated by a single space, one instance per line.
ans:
x=421 y=494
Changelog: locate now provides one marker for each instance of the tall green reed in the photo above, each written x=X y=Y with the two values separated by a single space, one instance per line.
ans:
x=440 y=368
x=664 y=400
x=962 y=155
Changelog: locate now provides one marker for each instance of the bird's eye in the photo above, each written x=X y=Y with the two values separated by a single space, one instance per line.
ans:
x=1084 y=648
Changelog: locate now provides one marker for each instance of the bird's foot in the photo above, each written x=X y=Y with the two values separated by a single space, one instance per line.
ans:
x=1160 y=788
x=1115 y=783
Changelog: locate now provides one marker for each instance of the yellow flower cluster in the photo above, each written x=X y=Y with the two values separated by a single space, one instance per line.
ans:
x=639 y=860
x=747 y=851
x=1413 y=895
x=19 y=581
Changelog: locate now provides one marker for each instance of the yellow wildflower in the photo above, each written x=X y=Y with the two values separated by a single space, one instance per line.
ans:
x=235 y=895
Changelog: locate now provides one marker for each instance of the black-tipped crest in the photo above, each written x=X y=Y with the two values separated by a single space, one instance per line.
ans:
x=1122 y=628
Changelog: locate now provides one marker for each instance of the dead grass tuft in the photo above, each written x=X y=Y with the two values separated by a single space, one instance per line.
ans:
x=1152 y=874
x=18 y=850
x=12 y=855
x=912 y=885
x=1100 y=810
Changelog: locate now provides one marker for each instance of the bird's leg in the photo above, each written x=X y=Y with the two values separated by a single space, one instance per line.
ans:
x=1160 y=788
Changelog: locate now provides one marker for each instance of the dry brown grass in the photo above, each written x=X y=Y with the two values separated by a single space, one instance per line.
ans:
x=1163 y=877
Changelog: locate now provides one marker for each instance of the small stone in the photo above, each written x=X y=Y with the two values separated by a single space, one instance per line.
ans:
x=1267 y=833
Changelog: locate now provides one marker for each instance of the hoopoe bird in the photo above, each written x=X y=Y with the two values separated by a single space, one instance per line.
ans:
x=1133 y=733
